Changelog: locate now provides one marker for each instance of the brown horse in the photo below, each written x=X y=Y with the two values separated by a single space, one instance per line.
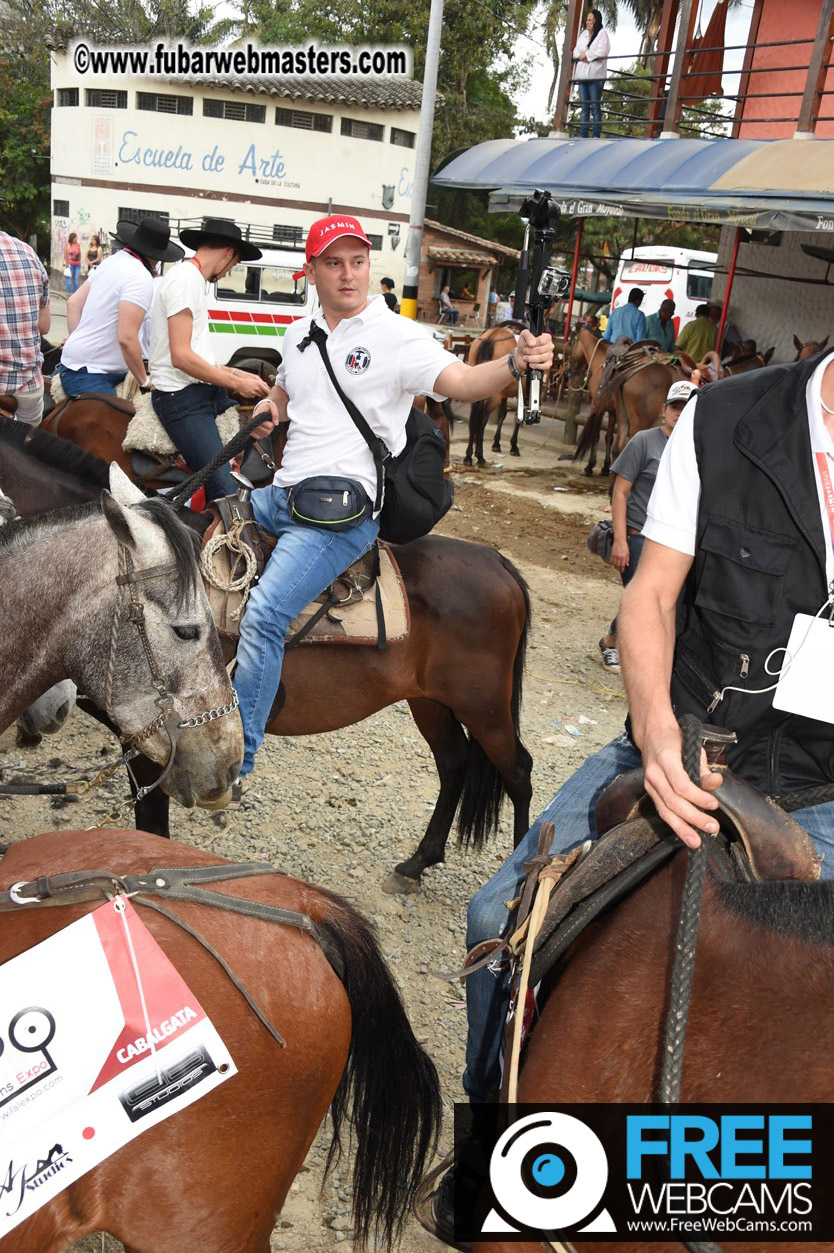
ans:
x=460 y=669
x=633 y=406
x=215 y=1175
x=810 y=349
x=762 y=1000
x=496 y=342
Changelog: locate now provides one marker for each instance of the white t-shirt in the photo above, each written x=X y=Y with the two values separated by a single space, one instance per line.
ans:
x=672 y=516
x=381 y=364
x=94 y=344
x=183 y=287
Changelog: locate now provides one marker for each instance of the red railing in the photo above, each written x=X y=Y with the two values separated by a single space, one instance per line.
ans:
x=651 y=98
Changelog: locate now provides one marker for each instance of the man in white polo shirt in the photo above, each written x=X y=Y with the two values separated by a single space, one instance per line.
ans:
x=105 y=315
x=381 y=363
x=189 y=388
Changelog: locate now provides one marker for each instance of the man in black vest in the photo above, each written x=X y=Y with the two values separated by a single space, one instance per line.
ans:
x=739 y=524
x=748 y=539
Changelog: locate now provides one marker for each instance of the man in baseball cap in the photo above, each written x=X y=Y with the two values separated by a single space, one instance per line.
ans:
x=326 y=231
x=381 y=363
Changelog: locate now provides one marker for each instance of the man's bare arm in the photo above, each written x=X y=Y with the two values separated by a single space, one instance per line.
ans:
x=646 y=640
x=477 y=382
x=620 y=556
x=75 y=305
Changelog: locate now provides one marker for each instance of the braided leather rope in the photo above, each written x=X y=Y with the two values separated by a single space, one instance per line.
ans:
x=686 y=941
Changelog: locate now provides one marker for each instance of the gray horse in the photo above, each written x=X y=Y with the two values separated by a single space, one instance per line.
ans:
x=49 y=712
x=64 y=615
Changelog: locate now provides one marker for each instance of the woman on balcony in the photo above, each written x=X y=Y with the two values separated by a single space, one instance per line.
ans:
x=590 y=66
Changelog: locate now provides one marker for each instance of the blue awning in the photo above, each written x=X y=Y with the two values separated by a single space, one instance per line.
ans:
x=778 y=184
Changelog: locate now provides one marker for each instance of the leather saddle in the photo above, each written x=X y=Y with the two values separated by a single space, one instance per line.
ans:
x=757 y=841
x=367 y=604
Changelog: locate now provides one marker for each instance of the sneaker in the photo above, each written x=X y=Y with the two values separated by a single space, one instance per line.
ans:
x=610 y=655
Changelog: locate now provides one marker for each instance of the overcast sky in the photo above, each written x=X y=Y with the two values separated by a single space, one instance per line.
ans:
x=625 y=44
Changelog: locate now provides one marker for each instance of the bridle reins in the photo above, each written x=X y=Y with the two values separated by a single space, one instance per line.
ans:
x=167 y=719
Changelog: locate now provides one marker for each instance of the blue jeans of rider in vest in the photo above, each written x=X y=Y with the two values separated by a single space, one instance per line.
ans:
x=304 y=562
x=572 y=812
x=188 y=417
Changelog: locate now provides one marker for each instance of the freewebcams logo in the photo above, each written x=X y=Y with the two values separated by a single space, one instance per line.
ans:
x=548 y=1172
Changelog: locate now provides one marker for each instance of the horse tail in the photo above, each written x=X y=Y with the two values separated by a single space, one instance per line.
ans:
x=389 y=1093
x=589 y=437
x=446 y=406
x=483 y=788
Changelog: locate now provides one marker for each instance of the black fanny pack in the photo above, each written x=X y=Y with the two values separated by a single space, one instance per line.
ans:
x=417 y=491
x=327 y=501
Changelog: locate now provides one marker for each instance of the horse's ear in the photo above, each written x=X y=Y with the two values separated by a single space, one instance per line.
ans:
x=823 y=342
x=123 y=490
x=134 y=529
x=798 y=344
x=769 y=354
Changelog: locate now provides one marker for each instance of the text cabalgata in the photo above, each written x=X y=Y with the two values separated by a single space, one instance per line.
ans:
x=157 y=1035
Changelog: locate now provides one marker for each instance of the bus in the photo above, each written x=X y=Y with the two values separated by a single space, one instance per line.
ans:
x=680 y=274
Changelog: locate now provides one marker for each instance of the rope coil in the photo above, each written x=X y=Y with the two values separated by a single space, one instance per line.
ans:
x=240 y=554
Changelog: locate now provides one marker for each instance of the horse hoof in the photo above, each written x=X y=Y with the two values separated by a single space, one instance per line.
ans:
x=467 y=461
x=482 y=463
x=589 y=470
x=496 y=447
x=400 y=885
x=514 y=452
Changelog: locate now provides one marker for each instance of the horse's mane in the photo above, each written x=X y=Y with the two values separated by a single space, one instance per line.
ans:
x=59 y=454
x=184 y=542
x=805 y=910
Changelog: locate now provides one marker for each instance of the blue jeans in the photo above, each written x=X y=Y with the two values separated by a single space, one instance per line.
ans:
x=572 y=811
x=188 y=417
x=590 y=95
x=73 y=278
x=304 y=562
x=75 y=382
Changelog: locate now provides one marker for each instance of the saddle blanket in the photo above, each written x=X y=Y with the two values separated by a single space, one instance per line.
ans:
x=145 y=432
x=88 y=1064
x=353 y=621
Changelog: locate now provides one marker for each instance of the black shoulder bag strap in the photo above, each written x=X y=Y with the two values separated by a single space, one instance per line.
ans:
x=379 y=449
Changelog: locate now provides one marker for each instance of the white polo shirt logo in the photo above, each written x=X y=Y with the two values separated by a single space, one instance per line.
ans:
x=357 y=361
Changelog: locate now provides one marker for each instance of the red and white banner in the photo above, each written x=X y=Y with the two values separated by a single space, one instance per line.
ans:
x=100 y=1039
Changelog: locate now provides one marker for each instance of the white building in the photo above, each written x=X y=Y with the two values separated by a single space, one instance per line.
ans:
x=275 y=155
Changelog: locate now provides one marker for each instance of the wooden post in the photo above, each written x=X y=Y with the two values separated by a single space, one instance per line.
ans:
x=671 y=120
x=574 y=274
x=749 y=54
x=817 y=70
x=570 y=433
x=560 y=117
x=725 y=304
x=660 y=63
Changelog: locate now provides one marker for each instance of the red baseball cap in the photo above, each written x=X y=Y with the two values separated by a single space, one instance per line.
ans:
x=326 y=231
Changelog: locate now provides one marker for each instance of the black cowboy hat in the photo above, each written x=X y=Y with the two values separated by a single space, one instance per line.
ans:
x=219 y=232
x=150 y=237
